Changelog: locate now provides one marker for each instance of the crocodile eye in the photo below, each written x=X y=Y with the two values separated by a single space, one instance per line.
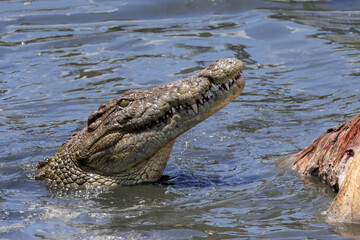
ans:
x=124 y=103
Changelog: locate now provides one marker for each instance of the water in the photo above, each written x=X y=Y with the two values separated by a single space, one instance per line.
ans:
x=59 y=60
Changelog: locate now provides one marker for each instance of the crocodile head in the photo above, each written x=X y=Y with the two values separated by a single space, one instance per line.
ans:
x=129 y=139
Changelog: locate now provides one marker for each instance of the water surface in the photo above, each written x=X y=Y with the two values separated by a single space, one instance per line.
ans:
x=59 y=60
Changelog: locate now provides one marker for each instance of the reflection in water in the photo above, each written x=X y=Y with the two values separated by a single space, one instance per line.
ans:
x=60 y=60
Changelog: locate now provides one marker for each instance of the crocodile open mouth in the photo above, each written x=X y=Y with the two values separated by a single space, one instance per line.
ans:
x=192 y=109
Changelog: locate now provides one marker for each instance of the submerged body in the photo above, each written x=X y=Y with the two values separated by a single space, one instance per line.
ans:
x=334 y=157
x=129 y=139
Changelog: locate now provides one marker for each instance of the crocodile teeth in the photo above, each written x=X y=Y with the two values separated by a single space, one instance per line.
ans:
x=204 y=98
x=209 y=94
x=214 y=87
x=195 y=108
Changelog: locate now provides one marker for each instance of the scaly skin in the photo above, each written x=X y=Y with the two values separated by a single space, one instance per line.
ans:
x=129 y=139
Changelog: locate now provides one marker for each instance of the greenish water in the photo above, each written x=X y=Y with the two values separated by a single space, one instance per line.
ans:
x=59 y=60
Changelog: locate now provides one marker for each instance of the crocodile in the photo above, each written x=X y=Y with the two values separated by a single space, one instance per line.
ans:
x=128 y=140
x=334 y=157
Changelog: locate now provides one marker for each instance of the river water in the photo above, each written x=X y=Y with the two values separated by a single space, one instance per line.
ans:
x=59 y=60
